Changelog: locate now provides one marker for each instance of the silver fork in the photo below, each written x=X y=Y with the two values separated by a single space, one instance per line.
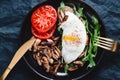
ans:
x=107 y=44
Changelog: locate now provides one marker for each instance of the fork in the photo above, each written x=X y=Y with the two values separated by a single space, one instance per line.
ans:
x=107 y=44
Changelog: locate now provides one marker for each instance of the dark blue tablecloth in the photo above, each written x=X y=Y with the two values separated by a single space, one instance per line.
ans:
x=12 y=14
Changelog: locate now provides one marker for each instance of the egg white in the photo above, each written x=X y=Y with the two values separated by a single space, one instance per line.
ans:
x=73 y=27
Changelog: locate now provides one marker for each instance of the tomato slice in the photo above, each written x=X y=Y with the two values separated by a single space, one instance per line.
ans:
x=44 y=18
x=45 y=35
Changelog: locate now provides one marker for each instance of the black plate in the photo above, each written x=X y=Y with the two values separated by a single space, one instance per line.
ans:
x=26 y=34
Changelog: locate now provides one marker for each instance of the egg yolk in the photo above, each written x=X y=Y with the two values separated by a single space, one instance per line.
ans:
x=70 y=38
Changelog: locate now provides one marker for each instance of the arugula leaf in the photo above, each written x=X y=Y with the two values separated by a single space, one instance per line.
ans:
x=60 y=30
x=62 y=6
x=87 y=29
x=80 y=11
x=95 y=20
x=66 y=68
x=92 y=49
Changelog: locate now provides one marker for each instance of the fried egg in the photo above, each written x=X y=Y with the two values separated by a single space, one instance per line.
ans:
x=73 y=37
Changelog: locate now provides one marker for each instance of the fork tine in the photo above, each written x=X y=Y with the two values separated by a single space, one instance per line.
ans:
x=106 y=39
x=107 y=48
x=104 y=44
x=99 y=40
x=107 y=44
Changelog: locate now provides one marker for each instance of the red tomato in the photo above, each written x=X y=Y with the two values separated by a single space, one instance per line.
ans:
x=45 y=35
x=44 y=18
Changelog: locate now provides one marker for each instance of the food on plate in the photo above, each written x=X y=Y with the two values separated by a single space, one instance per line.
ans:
x=47 y=53
x=73 y=37
x=45 y=35
x=61 y=14
x=43 y=21
x=67 y=42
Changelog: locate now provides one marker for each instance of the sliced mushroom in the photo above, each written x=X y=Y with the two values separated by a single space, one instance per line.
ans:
x=82 y=20
x=35 y=45
x=55 y=68
x=49 y=53
x=57 y=53
x=83 y=54
x=37 y=42
x=56 y=38
x=80 y=63
x=58 y=50
x=87 y=39
x=67 y=8
x=65 y=18
x=45 y=63
x=49 y=59
x=50 y=42
x=45 y=51
x=38 y=58
x=55 y=56
x=73 y=68
x=43 y=43
x=60 y=14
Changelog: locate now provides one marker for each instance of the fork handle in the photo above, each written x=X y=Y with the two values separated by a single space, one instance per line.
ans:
x=18 y=55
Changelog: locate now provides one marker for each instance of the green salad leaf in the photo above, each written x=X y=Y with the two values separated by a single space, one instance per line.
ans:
x=62 y=6
x=92 y=49
x=66 y=68
x=60 y=30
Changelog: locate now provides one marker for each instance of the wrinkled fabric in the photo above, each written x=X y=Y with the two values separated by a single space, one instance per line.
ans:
x=12 y=15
